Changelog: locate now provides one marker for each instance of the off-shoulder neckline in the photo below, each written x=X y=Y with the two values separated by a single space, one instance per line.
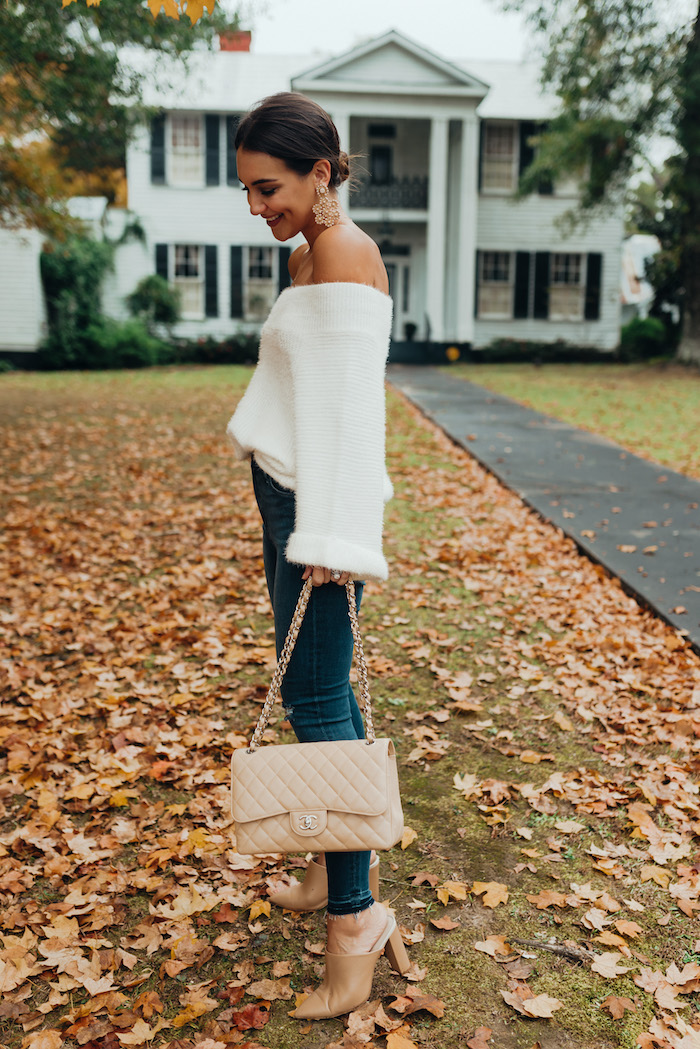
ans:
x=339 y=284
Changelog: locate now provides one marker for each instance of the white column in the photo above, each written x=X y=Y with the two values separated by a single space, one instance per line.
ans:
x=468 y=210
x=342 y=122
x=437 y=215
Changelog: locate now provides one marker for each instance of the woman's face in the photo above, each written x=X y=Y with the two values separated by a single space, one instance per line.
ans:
x=276 y=193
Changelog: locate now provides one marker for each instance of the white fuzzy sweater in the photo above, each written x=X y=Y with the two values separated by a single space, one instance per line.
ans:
x=313 y=417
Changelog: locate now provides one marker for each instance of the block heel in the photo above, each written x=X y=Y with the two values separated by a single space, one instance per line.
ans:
x=396 y=953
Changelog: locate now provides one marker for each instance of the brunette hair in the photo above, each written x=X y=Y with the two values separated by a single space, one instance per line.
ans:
x=294 y=129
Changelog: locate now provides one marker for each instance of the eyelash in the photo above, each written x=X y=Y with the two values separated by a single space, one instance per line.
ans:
x=263 y=192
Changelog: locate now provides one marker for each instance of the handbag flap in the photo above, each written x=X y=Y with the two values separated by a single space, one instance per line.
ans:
x=347 y=775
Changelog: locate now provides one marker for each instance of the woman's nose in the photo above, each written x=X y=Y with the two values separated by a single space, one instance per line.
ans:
x=256 y=207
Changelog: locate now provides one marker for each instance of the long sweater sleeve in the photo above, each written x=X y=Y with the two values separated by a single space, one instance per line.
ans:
x=315 y=419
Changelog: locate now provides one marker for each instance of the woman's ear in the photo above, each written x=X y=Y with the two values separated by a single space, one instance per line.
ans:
x=322 y=171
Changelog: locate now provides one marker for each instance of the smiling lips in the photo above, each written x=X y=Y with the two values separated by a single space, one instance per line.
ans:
x=273 y=221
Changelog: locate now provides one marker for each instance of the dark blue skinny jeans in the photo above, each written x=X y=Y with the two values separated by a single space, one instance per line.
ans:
x=316 y=691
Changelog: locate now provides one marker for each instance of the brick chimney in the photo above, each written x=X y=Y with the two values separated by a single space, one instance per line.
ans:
x=237 y=40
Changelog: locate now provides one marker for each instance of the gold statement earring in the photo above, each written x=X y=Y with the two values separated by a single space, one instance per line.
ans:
x=326 y=209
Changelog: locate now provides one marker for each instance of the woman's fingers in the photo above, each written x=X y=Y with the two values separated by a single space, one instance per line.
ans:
x=320 y=576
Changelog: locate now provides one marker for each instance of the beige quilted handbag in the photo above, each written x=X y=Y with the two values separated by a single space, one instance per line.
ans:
x=332 y=796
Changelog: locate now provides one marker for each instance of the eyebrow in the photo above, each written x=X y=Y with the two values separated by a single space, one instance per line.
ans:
x=260 y=182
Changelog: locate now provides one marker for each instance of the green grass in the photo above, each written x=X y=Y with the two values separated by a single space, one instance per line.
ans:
x=652 y=409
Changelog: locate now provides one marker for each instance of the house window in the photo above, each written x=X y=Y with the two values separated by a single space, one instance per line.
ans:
x=188 y=278
x=495 y=284
x=261 y=283
x=566 y=293
x=186 y=150
x=381 y=165
x=260 y=263
x=499 y=157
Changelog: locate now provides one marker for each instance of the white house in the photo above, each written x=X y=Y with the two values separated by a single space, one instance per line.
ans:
x=441 y=147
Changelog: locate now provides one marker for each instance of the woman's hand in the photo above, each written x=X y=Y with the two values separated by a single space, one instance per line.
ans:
x=319 y=576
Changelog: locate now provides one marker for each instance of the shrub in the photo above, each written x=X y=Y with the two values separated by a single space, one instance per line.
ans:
x=72 y=275
x=559 y=351
x=154 y=302
x=643 y=338
x=239 y=348
x=125 y=344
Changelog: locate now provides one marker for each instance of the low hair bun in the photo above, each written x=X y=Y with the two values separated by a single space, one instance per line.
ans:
x=343 y=167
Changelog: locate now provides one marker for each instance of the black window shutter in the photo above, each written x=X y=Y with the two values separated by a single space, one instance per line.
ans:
x=541 y=304
x=158 y=149
x=593 y=285
x=162 y=260
x=476 y=282
x=211 y=286
x=211 y=139
x=232 y=123
x=521 y=299
x=236 y=280
x=284 y=279
x=527 y=153
x=482 y=134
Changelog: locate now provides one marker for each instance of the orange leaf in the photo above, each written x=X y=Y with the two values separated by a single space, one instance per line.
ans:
x=494 y=892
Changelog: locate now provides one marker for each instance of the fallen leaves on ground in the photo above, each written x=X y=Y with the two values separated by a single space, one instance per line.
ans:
x=137 y=646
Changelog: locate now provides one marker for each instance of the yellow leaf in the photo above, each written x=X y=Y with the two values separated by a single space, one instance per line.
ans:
x=189 y=1013
x=395 y=1040
x=607 y=965
x=119 y=798
x=409 y=835
x=169 y=5
x=562 y=721
x=137 y=1035
x=195 y=9
x=493 y=945
x=443 y=895
x=494 y=892
x=66 y=2
x=258 y=908
x=43 y=1040
x=458 y=890
x=657 y=874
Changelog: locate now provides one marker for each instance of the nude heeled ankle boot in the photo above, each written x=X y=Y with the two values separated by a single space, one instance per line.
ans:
x=347 y=982
x=312 y=893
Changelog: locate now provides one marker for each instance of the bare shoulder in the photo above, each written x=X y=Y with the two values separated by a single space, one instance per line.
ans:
x=295 y=260
x=345 y=253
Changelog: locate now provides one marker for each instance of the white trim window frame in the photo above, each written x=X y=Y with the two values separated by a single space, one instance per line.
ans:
x=186 y=150
x=188 y=278
x=496 y=285
x=261 y=281
x=567 y=288
x=500 y=157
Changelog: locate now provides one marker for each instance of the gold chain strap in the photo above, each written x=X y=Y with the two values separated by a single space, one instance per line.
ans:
x=286 y=654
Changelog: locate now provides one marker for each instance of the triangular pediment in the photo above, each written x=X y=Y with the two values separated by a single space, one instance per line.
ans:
x=389 y=63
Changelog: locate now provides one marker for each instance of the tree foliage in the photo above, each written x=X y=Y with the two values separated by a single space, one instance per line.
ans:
x=66 y=88
x=627 y=73
x=614 y=65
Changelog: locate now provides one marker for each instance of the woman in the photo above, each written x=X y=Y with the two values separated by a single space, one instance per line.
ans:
x=312 y=422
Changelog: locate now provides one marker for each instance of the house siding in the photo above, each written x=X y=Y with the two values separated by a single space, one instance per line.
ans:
x=22 y=312
x=531 y=225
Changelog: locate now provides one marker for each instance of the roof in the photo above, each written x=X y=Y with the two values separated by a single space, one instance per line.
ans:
x=231 y=81
x=515 y=90
x=391 y=64
x=223 y=81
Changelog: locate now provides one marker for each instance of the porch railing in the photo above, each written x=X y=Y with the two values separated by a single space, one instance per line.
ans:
x=409 y=191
